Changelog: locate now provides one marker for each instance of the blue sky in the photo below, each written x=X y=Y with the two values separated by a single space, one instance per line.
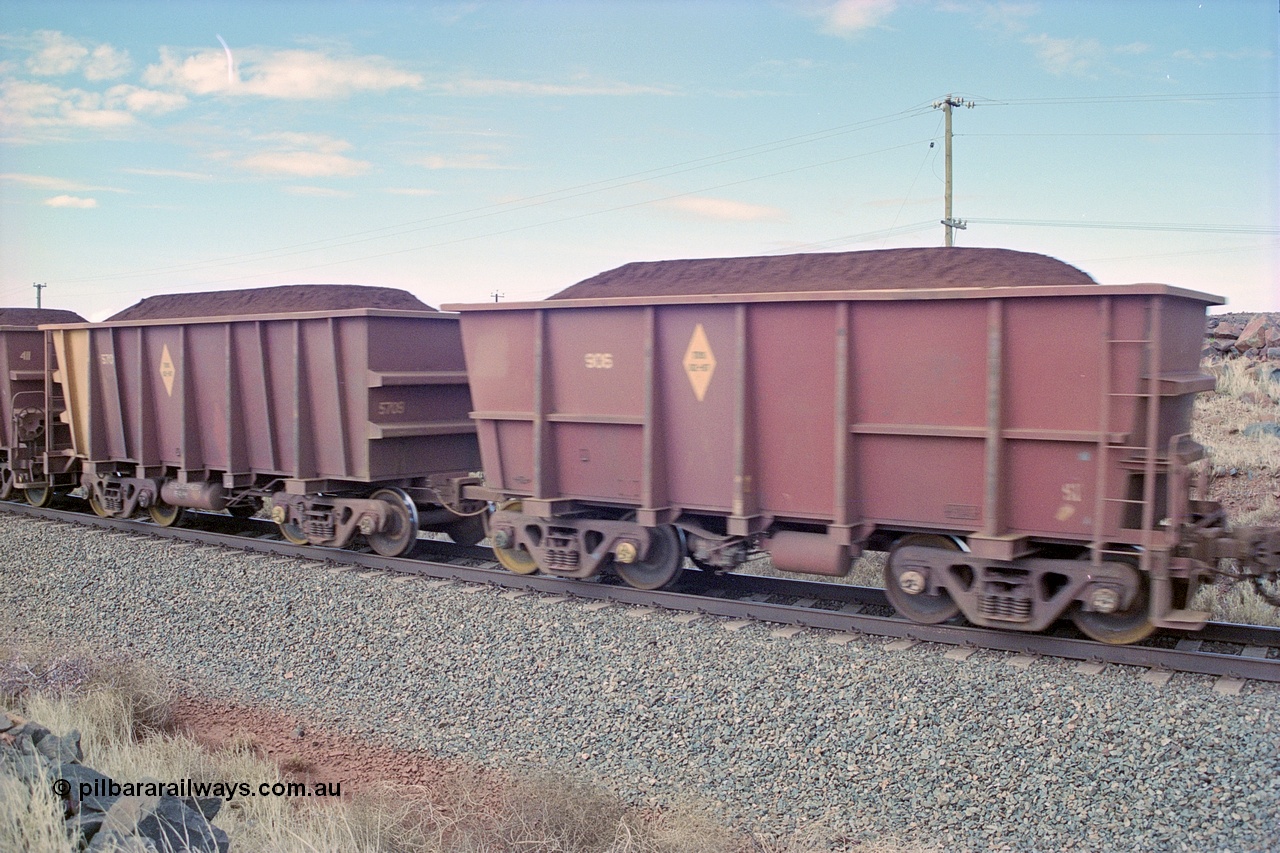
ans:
x=458 y=149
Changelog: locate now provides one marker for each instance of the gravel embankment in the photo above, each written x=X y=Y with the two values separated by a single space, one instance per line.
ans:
x=973 y=755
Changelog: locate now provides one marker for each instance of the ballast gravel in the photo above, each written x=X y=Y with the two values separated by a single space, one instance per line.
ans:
x=777 y=734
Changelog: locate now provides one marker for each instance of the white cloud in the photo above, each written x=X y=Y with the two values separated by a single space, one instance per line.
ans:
x=289 y=74
x=107 y=63
x=24 y=104
x=413 y=191
x=318 y=192
x=54 y=54
x=304 y=164
x=705 y=207
x=138 y=100
x=524 y=88
x=57 y=54
x=44 y=182
x=305 y=155
x=1206 y=56
x=71 y=201
x=1078 y=57
x=1007 y=17
x=171 y=173
x=199 y=74
x=845 y=17
x=460 y=161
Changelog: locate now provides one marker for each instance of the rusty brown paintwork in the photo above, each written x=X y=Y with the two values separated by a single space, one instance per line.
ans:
x=366 y=396
x=1031 y=417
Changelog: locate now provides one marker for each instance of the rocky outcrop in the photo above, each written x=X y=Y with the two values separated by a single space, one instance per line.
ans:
x=98 y=818
x=1255 y=336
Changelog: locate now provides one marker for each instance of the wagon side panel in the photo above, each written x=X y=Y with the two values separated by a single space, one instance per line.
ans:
x=595 y=384
x=414 y=403
x=919 y=411
x=700 y=374
x=793 y=370
x=1054 y=356
x=501 y=357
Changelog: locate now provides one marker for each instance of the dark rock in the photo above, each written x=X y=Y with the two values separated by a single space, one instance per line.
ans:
x=207 y=806
x=1252 y=335
x=1270 y=428
x=61 y=750
x=103 y=820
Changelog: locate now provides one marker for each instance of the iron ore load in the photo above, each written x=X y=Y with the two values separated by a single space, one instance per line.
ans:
x=342 y=410
x=1028 y=457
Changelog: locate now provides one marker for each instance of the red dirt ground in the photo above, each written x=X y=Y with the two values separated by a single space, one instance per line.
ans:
x=308 y=752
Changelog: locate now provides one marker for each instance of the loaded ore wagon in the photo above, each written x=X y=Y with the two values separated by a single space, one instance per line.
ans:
x=35 y=446
x=341 y=410
x=1015 y=434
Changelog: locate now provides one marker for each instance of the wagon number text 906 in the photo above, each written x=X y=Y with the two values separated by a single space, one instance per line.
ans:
x=599 y=360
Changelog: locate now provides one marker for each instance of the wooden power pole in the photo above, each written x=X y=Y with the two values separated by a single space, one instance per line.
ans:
x=949 y=223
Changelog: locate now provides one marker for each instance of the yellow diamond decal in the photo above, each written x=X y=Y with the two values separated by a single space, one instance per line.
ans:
x=166 y=370
x=699 y=362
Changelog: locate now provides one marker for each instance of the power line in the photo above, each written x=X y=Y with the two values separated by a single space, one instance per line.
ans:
x=1134 y=226
x=1126 y=99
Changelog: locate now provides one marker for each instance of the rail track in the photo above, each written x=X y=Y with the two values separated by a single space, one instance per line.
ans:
x=1234 y=653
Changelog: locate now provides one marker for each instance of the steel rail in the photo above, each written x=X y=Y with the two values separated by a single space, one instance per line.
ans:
x=731 y=595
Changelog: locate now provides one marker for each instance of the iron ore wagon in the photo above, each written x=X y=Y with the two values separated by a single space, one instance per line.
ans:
x=340 y=419
x=35 y=447
x=1014 y=434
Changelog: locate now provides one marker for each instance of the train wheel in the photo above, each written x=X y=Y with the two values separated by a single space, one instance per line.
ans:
x=96 y=505
x=293 y=534
x=1131 y=625
x=402 y=528
x=165 y=515
x=39 y=495
x=662 y=567
x=918 y=606
x=516 y=559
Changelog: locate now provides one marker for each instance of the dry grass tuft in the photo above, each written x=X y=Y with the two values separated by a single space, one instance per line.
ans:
x=142 y=698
